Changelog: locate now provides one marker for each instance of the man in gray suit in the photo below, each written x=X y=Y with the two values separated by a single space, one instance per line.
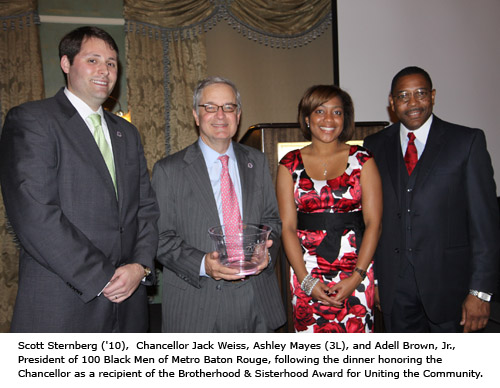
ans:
x=77 y=194
x=200 y=294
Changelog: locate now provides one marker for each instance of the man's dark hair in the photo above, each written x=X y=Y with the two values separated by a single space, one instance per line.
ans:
x=410 y=70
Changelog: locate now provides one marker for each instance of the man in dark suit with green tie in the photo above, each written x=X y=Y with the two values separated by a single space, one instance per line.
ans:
x=78 y=196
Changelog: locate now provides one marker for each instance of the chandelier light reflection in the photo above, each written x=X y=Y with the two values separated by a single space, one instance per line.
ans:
x=125 y=115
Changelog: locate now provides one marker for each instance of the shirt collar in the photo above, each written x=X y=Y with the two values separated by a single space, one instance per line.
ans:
x=421 y=133
x=211 y=156
x=81 y=107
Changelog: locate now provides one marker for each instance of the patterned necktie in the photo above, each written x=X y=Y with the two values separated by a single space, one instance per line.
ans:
x=230 y=211
x=103 y=145
x=411 y=156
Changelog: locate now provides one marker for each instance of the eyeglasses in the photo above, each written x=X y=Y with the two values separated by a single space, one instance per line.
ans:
x=212 y=108
x=419 y=95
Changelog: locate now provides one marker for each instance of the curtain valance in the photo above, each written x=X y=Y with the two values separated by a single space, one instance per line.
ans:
x=18 y=14
x=9 y=7
x=274 y=23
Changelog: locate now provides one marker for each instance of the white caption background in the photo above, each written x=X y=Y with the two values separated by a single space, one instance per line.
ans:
x=277 y=360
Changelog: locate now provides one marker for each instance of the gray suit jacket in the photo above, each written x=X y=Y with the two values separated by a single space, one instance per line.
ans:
x=60 y=200
x=187 y=209
x=454 y=218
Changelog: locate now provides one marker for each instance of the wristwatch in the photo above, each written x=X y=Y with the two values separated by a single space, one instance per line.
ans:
x=484 y=296
x=147 y=272
x=361 y=272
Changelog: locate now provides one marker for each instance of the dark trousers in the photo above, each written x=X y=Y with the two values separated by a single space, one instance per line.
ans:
x=408 y=314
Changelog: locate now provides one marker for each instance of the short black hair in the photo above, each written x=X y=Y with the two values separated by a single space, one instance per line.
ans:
x=410 y=70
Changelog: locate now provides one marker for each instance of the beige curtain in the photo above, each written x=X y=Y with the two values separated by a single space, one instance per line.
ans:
x=166 y=54
x=21 y=80
x=165 y=59
x=146 y=92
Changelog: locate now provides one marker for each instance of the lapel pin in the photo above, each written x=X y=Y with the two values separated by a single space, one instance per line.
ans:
x=250 y=165
x=118 y=133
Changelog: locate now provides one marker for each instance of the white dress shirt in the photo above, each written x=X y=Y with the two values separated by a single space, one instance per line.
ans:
x=421 y=135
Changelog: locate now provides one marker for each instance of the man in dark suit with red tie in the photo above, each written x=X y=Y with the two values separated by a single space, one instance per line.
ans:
x=438 y=257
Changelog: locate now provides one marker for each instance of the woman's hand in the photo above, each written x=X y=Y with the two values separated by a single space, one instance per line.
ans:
x=343 y=289
x=323 y=294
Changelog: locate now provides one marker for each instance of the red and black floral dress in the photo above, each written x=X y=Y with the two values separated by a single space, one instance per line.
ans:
x=330 y=253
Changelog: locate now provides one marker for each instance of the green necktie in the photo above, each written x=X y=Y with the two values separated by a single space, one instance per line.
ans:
x=95 y=119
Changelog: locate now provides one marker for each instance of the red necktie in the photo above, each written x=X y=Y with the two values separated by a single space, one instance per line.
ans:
x=230 y=210
x=411 y=156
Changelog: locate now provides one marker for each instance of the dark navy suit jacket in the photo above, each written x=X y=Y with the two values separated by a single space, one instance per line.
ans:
x=454 y=218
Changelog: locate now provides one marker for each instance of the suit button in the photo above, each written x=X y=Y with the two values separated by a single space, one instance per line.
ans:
x=121 y=230
x=218 y=287
x=396 y=250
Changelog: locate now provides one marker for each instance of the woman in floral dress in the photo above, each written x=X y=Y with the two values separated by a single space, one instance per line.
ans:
x=330 y=201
